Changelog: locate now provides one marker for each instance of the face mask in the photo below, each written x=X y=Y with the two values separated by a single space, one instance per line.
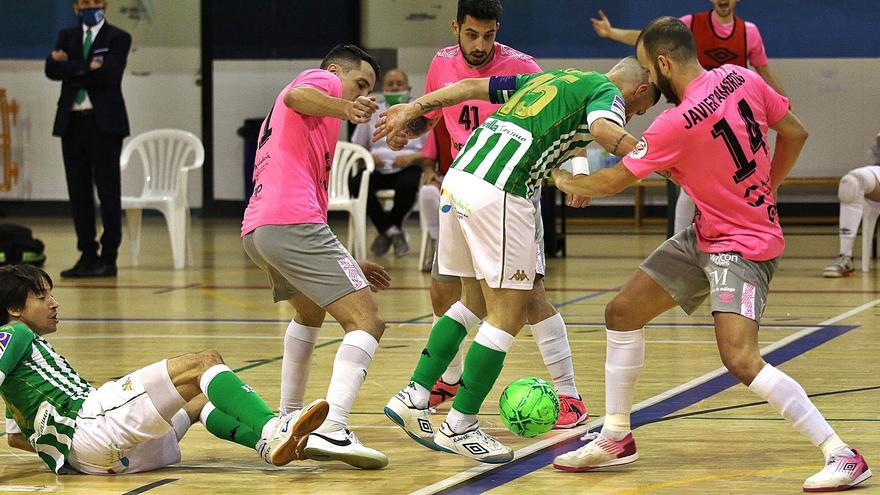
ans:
x=396 y=97
x=92 y=16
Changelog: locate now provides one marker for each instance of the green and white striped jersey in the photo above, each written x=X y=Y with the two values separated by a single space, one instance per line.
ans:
x=541 y=124
x=42 y=391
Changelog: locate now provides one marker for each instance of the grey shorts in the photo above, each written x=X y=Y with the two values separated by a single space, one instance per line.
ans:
x=304 y=259
x=736 y=284
x=541 y=266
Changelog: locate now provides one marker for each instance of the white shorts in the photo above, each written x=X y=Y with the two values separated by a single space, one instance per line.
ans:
x=486 y=233
x=119 y=430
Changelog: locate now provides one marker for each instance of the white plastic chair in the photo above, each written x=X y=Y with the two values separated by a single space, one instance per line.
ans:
x=167 y=157
x=870 y=212
x=347 y=158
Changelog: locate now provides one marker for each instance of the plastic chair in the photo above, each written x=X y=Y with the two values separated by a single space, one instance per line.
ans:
x=870 y=212
x=167 y=156
x=347 y=158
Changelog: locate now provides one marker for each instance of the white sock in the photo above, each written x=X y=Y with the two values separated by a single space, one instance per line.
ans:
x=419 y=395
x=494 y=338
x=429 y=207
x=624 y=359
x=552 y=339
x=684 y=211
x=850 y=219
x=349 y=372
x=461 y=314
x=460 y=422
x=783 y=393
x=833 y=445
x=299 y=344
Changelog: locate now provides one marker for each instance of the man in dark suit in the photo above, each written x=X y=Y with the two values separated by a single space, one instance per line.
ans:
x=91 y=121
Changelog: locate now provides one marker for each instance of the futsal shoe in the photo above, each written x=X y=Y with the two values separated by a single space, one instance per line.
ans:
x=414 y=421
x=841 y=472
x=842 y=266
x=474 y=443
x=290 y=430
x=442 y=392
x=343 y=445
x=600 y=451
x=572 y=412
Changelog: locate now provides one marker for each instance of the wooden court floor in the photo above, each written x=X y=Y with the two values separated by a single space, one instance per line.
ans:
x=701 y=433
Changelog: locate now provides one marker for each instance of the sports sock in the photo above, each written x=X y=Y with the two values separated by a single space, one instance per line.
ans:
x=232 y=396
x=460 y=422
x=482 y=365
x=443 y=343
x=850 y=219
x=784 y=394
x=834 y=445
x=349 y=371
x=552 y=340
x=180 y=423
x=456 y=365
x=299 y=344
x=225 y=427
x=624 y=359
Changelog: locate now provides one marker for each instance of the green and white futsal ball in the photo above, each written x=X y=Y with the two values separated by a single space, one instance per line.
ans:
x=529 y=407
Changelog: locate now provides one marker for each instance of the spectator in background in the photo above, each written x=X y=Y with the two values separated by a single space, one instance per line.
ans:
x=857 y=189
x=397 y=170
x=91 y=121
x=722 y=38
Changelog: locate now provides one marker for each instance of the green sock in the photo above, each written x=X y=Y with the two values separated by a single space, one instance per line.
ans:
x=225 y=427
x=481 y=368
x=443 y=343
x=229 y=394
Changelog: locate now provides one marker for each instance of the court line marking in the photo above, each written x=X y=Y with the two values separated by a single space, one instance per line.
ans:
x=150 y=486
x=449 y=484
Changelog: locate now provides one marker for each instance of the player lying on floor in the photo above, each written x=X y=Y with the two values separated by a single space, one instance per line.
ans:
x=132 y=424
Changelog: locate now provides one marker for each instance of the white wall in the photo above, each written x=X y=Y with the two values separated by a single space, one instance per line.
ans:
x=836 y=99
x=160 y=90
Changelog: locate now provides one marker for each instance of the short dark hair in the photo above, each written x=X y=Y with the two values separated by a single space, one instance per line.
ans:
x=16 y=282
x=670 y=37
x=350 y=56
x=483 y=10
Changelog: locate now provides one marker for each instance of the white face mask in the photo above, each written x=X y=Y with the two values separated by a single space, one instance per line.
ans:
x=395 y=97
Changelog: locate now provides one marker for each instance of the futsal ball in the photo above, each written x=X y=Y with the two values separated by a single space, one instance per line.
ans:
x=529 y=407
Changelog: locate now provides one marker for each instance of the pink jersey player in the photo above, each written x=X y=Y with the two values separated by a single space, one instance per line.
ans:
x=291 y=171
x=737 y=211
x=449 y=66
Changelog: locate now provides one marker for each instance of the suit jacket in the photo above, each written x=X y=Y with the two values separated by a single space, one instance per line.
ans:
x=104 y=86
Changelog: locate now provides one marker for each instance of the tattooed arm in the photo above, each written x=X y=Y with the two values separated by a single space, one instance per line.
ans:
x=402 y=122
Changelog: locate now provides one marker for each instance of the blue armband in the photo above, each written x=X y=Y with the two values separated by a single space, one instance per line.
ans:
x=501 y=88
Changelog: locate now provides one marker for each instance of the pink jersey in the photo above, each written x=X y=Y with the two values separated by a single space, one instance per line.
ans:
x=754 y=43
x=715 y=145
x=292 y=165
x=449 y=66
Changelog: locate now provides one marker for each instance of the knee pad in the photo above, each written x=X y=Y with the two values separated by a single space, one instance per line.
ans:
x=850 y=189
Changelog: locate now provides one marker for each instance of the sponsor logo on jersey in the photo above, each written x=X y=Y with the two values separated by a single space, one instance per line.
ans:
x=618 y=107
x=5 y=337
x=640 y=150
x=519 y=276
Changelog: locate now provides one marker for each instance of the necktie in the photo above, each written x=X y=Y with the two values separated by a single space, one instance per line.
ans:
x=87 y=44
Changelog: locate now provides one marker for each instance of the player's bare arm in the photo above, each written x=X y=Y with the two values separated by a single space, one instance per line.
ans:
x=612 y=137
x=312 y=101
x=606 y=182
x=401 y=121
x=603 y=29
x=790 y=139
x=18 y=441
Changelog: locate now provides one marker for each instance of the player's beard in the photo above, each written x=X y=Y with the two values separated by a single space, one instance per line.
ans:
x=665 y=86
x=476 y=61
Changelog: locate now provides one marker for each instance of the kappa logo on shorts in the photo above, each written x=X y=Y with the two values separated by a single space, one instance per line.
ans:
x=127 y=386
x=519 y=276
x=352 y=272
